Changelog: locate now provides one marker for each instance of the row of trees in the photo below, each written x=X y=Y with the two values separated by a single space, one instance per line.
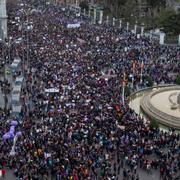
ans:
x=130 y=6
x=156 y=13
x=170 y=21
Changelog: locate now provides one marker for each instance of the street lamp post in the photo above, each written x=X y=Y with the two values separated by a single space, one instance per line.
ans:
x=25 y=26
x=21 y=28
x=27 y=13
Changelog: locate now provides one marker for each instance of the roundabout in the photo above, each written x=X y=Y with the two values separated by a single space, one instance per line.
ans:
x=163 y=105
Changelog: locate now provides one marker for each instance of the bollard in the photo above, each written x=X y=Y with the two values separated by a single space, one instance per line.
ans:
x=114 y=20
x=142 y=30
x=120 y=23
x=127 y=28
x=101 y=17
x=107 y=20
x=161 y=38
x=95 y=14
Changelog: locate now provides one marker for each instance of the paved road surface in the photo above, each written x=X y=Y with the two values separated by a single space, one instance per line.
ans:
x=142 y=174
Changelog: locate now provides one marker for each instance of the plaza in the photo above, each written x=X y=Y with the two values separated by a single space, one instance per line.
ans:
x=68 y=76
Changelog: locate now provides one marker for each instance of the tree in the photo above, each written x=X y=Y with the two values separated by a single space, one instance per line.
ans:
x=169 y=19
x=149 y=81
x=120 y=8
x=127 y=91
x=177 y=81
x=155 y=3
x=129 y=8
x=84 y=5
x=155 y=6
x=154 y=124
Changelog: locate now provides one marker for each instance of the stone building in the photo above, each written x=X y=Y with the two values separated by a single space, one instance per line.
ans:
x=3 y=19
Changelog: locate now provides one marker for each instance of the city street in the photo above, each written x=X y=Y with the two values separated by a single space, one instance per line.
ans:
x=70 y=73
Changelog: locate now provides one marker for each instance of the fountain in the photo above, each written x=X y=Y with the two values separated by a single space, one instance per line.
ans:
x=163 y=105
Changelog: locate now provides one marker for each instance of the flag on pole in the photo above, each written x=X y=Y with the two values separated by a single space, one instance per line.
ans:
x=142 y=66
x=142 y=69
x=134 y=67
x=123 y=90
x=124 y=79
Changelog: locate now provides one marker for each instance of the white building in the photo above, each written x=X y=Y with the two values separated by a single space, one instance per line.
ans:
x=3 y=19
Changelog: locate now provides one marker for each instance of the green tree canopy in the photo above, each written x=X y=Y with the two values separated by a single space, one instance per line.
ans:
x=170 y=22
x=84 y=5
x=177 y=81
x=156 y=3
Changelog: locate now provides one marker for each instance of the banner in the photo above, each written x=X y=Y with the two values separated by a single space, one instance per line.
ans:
x=76 y=25
x=52 y=90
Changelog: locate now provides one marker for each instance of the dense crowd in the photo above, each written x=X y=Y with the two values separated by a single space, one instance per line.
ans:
x=85 y=131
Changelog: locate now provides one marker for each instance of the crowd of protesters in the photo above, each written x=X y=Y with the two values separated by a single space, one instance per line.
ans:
x=84 y=130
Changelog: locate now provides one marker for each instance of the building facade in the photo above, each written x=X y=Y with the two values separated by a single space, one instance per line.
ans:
x=3 y=19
